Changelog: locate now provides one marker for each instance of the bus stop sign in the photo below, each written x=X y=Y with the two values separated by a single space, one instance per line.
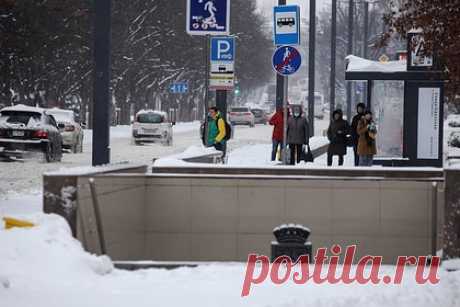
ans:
x=286 y=25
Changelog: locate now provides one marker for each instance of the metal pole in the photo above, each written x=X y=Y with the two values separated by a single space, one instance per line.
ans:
x=311 y=67
x=333 y=56
x=101 y=99
x=366 y=30
x=350 y=51
x=98 y=216
x=221 y=103
x=285 y=119
x=281 y=101
x=434 y=219
x=366 y=38
x=206 y=78
x=207 y=41
x=280 y=93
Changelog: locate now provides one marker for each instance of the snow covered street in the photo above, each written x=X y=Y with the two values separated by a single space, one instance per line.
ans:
x=26 y=176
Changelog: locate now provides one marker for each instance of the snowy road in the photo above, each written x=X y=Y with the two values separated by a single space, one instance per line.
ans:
x=26 y=177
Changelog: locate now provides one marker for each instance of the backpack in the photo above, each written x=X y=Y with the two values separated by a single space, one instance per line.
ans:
x=228 y=130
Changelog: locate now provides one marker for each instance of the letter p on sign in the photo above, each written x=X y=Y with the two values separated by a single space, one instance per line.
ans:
x=223 y=47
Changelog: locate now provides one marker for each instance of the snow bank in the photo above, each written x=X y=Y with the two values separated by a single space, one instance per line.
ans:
x=45 y=267
x=45 y=254
x=190 y=152
x=359 y=64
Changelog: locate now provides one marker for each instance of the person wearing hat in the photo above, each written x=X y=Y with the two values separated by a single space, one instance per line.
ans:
x=360 y=108
x=337 y=135
x=367 y=132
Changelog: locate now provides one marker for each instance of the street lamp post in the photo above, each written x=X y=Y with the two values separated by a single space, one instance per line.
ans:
x=102 y=97
x=333 y=56
x=311 y=67
x=350 y=51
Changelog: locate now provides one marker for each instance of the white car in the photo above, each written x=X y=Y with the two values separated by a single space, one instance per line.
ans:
x=70 y=129
x=241 y=116
x=152 y=127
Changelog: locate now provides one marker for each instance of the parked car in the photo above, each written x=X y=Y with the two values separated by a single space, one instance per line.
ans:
x=28 y=131
x=241 y=116
x=260 y=117
x=70 y=129
x=152 y=127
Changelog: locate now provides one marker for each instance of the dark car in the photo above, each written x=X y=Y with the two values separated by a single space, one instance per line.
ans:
x=260 y=117
x=28 y=131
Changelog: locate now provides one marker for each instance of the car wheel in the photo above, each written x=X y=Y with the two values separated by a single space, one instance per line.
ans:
x=74 y=147
x=58 y=154
x=80 y=146
x=47 y=155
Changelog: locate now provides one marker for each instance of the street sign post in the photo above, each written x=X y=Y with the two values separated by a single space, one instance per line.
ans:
x=222 y=63
x=178 y=88
x=286 y=60
x=208 y=17
x=286 y=25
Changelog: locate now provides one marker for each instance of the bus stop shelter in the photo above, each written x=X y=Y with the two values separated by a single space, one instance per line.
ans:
x=407 y=101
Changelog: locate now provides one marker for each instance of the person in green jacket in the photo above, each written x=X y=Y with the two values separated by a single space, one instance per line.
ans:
x=216 y=130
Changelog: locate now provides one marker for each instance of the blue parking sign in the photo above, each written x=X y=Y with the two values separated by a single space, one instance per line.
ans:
x=208 y=17
x=223 y=49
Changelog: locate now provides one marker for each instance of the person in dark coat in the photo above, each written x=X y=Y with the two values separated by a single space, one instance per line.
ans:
x=277 y=121
x=298 y=134
x=337 y=135
x=360 y=108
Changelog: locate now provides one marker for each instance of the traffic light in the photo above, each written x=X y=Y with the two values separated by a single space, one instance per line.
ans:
x=237 y=90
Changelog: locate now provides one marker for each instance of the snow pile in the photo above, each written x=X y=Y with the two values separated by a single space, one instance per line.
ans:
x=190 y=152
x=454 y=139
x=359 y=64
x=46 y=255
x=451 y=264
x=453 y=121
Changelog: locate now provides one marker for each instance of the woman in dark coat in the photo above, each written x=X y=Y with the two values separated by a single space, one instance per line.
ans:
x=337 y=134
x=298 y=134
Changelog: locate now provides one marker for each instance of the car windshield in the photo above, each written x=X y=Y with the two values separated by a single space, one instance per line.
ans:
x=62 y=116
x=150 y=118
x=24 y=118
x=240 y=110
x=257 y=112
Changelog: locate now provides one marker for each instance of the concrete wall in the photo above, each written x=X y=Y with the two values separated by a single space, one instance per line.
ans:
x=223 y=218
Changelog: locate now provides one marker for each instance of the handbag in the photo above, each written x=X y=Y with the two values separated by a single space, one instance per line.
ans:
x=349 y=141
x=308 y=155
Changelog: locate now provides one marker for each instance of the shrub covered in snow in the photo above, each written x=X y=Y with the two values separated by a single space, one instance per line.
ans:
x=454 y=121
x=454 y=139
